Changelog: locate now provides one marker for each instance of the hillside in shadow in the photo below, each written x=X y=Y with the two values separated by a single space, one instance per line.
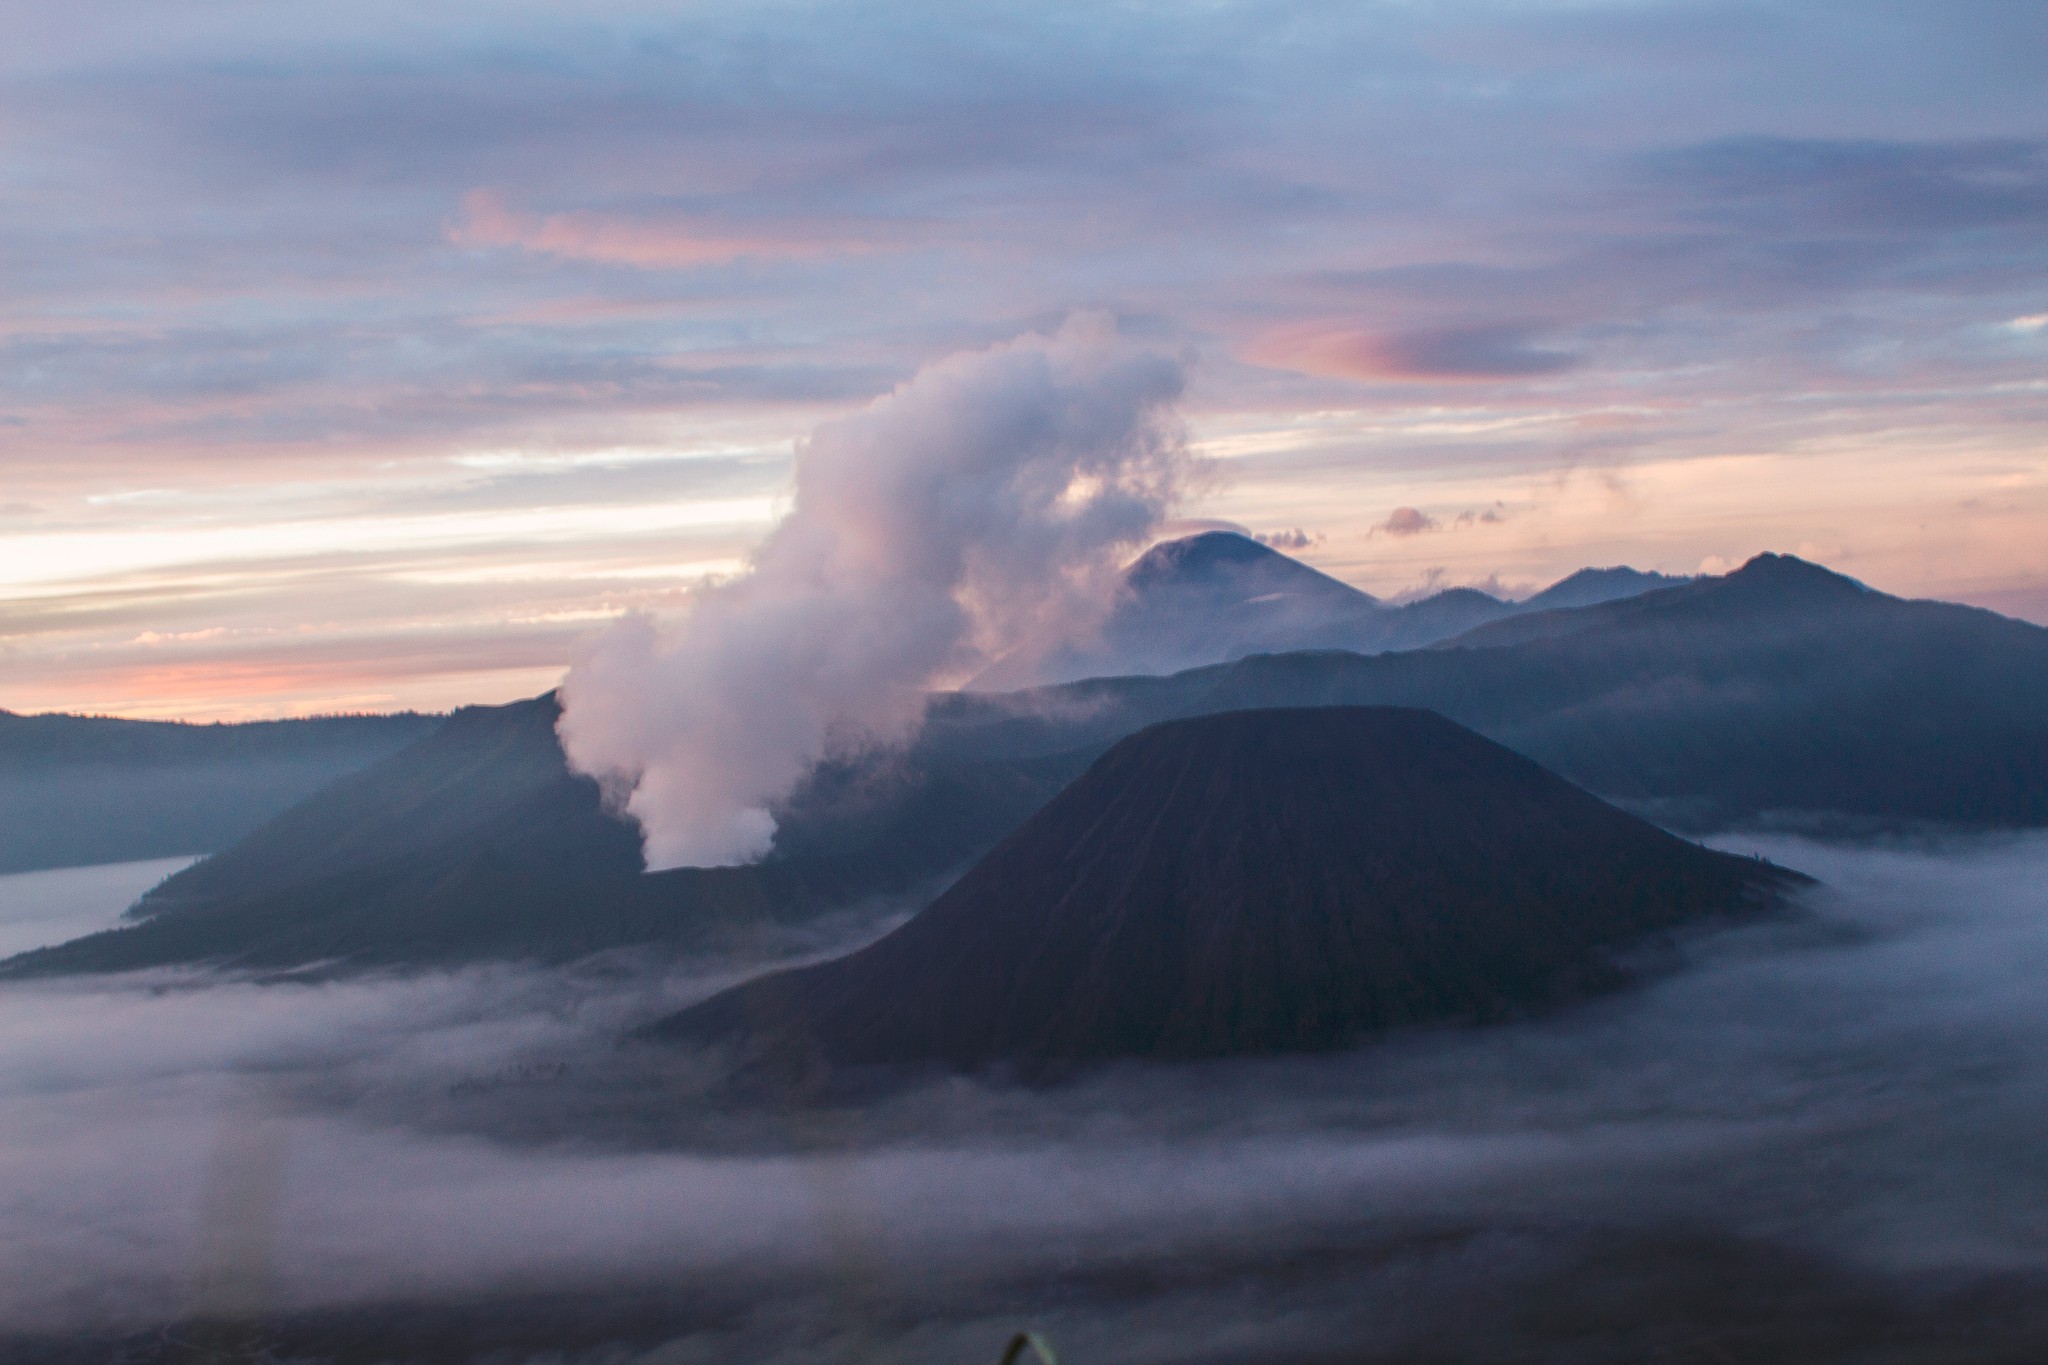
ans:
x=1250 y=883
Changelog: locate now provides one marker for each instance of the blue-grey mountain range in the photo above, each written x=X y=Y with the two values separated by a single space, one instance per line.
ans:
x=1781 y=691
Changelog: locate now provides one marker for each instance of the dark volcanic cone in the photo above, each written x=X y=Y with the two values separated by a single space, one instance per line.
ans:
x=1254 y=882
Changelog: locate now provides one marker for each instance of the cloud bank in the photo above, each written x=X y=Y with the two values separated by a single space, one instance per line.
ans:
x=1851 y=1101
x=987 y=500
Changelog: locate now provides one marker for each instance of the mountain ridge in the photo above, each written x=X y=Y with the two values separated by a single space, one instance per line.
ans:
x=1220 y=595
x=77 y=790
x=1705 y=706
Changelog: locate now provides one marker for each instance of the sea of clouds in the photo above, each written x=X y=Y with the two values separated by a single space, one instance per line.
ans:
x=1863 y=1087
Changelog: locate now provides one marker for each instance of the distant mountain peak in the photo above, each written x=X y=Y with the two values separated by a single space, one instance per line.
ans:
x=1771 y=564
x=1784 y=575
x=1193 y=601
x=1199 y=556
x=1237 y=565
x=1458 y=594
x=1592 y=587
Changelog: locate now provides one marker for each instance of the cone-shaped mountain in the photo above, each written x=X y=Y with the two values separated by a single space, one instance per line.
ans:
x=1255 y=882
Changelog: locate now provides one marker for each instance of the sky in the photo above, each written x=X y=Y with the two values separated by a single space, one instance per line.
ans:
x=366 y=356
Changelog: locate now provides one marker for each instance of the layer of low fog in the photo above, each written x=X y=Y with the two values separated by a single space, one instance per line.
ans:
x=1867 y=1084
x=38 y=909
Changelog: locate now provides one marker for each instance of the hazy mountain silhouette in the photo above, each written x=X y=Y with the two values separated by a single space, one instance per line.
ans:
x=1199 y=600
x=1218 y=596
x=1779 y=689
x=93 y=789
x=479 y=842
x=1257 y=882
x=1591 y=587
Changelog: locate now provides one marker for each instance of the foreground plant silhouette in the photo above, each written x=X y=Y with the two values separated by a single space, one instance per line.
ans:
x=1033 y=1342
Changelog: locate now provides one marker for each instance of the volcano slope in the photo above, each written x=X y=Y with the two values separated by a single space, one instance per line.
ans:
x=1248 y=883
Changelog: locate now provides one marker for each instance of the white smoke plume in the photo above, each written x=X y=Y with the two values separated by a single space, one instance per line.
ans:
x=988 y=499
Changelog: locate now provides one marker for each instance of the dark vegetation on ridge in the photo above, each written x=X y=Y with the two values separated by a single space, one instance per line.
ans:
x=1250 y=883
x=1780 y=688
x=94 y=789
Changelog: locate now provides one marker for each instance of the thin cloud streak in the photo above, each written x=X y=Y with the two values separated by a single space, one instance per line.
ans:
x=648 y=243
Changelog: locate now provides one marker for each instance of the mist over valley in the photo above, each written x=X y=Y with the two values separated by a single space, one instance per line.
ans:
x=1813 y=1140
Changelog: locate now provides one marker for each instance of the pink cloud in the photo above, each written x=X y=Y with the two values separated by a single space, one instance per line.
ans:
x=1467 y=352
x=648 y=243
x=1407 y=521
